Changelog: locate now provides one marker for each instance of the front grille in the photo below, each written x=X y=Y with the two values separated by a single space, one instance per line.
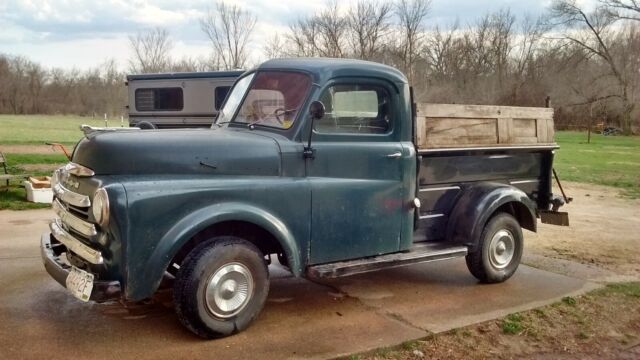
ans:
x=81 y=212
x=74 y=219
x=72 y=228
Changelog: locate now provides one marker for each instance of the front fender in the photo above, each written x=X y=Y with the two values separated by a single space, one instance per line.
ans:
x=184 y=229
x=475 y=207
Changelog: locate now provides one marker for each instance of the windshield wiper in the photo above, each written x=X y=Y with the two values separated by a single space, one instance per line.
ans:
x=245 y=124
x=222 y=123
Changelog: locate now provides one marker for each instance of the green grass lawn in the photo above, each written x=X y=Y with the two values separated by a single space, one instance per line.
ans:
x=23 y=159
x=39 y=129
x=607 y=160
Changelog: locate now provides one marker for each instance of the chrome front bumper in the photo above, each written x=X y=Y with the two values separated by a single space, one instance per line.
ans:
x=102 y=290
x=76 y=246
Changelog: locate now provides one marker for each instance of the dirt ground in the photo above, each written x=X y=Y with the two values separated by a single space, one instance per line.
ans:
x=28 y=149
x=40 y=167
x=604 y=230
x=605 y=324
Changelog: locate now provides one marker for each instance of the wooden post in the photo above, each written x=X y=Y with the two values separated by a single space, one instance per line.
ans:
x=590 y=122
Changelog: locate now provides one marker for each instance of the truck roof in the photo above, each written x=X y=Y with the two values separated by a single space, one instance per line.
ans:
x=325 y=68
x=186 y=75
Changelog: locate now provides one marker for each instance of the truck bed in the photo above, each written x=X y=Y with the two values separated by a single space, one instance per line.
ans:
x=462 y=145
x=454 y=126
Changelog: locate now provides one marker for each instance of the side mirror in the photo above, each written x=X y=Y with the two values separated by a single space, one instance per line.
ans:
x=316 y=110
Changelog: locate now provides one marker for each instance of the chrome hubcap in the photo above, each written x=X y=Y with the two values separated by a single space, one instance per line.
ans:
x=229 y=290
x=501 y=249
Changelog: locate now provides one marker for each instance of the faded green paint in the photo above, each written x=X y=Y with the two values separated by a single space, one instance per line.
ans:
x=176 y=208
x=350 y=201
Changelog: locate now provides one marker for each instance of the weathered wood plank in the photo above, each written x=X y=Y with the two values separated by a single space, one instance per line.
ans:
x=505 y=126
x=550 y=131
x=482 y=111
x=443 y=131
x=421 y=131
x=541 y=129
x=453 y=125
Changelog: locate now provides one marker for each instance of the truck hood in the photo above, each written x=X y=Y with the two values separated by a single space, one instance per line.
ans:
x=180 y=151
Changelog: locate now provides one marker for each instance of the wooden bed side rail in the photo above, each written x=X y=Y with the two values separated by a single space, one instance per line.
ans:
x=453 y=125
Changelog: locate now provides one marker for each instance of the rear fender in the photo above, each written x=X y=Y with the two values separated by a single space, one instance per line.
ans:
x=478 y=203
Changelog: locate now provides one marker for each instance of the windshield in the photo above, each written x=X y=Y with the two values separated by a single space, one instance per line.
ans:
x=274 y=99
x=234 y=99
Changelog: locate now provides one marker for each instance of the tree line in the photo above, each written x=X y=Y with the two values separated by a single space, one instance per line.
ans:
x=586 y=61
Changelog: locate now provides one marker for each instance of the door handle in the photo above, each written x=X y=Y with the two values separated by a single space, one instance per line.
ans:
x=395 y=155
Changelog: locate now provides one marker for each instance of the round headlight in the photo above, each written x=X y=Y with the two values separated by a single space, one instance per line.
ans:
x=100 y=206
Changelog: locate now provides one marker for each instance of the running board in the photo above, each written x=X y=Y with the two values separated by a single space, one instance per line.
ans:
x=417 y=254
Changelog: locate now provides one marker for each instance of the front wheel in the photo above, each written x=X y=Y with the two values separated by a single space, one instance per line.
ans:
x=499 y=250
x=221 y=287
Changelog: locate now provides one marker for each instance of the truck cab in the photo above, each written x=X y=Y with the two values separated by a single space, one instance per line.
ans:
x=327 y=165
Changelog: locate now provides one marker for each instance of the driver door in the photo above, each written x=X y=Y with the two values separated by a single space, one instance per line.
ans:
x=355 y=175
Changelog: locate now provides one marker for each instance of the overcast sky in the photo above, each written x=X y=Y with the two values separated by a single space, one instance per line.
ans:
x=82 y=34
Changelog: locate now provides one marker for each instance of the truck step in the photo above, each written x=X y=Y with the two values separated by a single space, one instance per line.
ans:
x=419 y=253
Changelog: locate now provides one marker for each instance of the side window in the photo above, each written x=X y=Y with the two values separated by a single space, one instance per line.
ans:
x=220 y=93
x=159 y=99
x=359 y=109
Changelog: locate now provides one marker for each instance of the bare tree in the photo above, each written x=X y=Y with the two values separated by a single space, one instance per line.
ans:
x=622 y=9
x=304 y=34
x=531 y=33
x=322 y=34
x=26 y=87
x=437 y=50
x=35 y=77
x=151 y=51
x=594 y=32
x=275 y=47
x=229 y=29
x=112 y=86
x=368 y=22
x=5 y=78
x=195 y=64
x=501 y=25
x=17 y=94
x=411 y=15
x=524 y=51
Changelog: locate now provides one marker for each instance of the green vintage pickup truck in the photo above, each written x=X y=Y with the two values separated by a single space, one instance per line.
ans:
x=327 y=165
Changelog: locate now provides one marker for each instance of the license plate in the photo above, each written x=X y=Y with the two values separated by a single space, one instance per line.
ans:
x=80 y=283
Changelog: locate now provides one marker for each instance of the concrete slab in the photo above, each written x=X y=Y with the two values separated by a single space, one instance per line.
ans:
x=576 y=270
x=441 y=296
x=301 y=319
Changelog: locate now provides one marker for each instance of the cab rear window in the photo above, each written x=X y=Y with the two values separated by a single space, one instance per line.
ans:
x=159 y=99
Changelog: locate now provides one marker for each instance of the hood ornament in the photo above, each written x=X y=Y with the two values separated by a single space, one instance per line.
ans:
x=89 y=130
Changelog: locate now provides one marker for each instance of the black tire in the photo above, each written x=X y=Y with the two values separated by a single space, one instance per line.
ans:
x=199 y=267
x=481 y=263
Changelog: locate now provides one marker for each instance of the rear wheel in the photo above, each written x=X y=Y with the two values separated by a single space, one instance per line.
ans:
x=221 y=287
x=499 y=250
